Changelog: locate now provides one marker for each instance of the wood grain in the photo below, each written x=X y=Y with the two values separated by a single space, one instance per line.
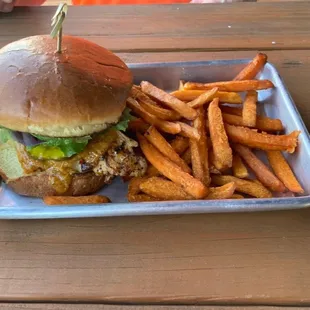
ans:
x=245 y=26
x=127 y=307
x=258 y=258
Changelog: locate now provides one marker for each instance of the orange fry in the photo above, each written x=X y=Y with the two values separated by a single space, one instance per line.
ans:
x=169 y=100
x=165 y=126
x=252 y=138
x=225 y=97
x=172 y=171
x=238 y=167
x=249 y=109
x=187 y=156
x=189 y=131
x=180 y=144
x=75 y=200
x=211 y=159
x=221 y=148
x=234 y=86
x=164 y=189
x=152 y=171
x=237 y=196
x=252 y=68
x=262 y=172
x=244 y=186
x=134 y=185
x=138 y=125
x=150 y=106
x=141 y=198
x=262 y=123
x=207 y=96
x=164 y=147
x=283 y=171
x=222 y=192
x=181 y=85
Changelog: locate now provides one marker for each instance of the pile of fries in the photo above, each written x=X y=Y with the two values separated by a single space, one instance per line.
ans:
x=198 y=147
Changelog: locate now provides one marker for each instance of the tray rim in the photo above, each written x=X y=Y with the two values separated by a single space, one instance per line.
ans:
x=171 y=207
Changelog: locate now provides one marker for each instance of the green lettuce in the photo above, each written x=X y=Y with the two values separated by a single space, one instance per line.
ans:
x=5 y=135
x=126 y=117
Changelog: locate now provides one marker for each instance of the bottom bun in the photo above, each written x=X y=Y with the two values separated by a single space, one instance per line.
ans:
x=38 y=185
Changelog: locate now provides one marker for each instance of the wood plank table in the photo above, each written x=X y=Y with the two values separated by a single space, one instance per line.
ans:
x=215 y=260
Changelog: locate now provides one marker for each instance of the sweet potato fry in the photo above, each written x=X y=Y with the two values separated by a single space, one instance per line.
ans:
x=164 y=147
x=150 y=106
x=169 y=127
x=75 y=200
x=199 y=149
x=138 y=125
x=234 y=86
x=252 y=68
x=187 y=156
x=243 y=186
x=252 y=138
x=164 y=189
x=172 y=171
x=222 y=192
x=212 y=168
x=262 y=172
x=189 y=131
x=207 y=96
x=237 y=196
x=283 y=171
x=169 y=100
x=221 y=148
x=262 y=123
x=134 y=185
x=238 y=167
x=249 y=109
x=181 y=85
x=152 y=171
x=180 y=144
x=141 y=198
x=224 y=97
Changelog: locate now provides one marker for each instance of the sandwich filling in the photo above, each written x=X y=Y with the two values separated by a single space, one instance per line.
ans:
x=107 y=154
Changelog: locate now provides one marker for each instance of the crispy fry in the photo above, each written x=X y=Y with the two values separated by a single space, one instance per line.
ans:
x=150 y=106
x=222 y=192
x=252 y=68
x=212 y=168
x=262 y=172
x=189 y=131
x=165 y=126
x=207 y=96
x=141 y=198
x=252 y=138
x=180 y=144
x=187 y=156
x=169 y=100
x=234 y=86
x=189 y=95
x=199 y=149
x=283 y=171
x=243 y=186
x=152 y=171
x=75 y=200
x=237 y=196
x=171 y=171
x=249 y=109
x=164 y=147
x=134 y=185
x=262 y=123
x=164 y=189
x=181 y=84
x=138 y=125
x=238 y=167
x=221 y=148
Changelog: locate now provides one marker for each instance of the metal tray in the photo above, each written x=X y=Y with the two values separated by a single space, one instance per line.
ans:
x=275 y=103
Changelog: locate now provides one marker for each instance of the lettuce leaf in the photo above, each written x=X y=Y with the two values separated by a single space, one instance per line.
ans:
x=5 y=135
x=126 y=117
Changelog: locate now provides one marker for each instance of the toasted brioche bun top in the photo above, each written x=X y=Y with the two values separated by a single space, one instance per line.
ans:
x=74 y=93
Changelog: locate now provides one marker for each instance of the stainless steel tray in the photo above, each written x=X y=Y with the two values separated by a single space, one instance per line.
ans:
x=275 y=103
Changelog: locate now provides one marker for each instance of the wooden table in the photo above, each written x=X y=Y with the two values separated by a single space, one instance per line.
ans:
x=219 y=259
